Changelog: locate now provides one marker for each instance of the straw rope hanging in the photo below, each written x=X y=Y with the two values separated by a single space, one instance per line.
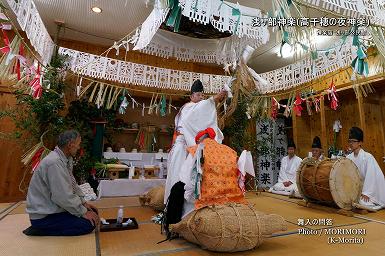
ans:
x=244 y=86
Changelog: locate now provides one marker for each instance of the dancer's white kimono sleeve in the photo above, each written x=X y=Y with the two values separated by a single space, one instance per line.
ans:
x=200 y=117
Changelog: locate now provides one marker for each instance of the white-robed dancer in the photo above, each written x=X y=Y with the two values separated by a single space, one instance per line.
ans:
x=193 y=117
x=287 y=179
x=373 y=191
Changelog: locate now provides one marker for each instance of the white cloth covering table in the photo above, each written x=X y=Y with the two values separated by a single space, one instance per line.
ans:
x=127 y=187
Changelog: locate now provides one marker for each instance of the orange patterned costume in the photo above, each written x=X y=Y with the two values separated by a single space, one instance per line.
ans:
x=220 y=175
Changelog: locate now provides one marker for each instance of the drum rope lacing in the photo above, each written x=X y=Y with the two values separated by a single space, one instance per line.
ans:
x=313 y=183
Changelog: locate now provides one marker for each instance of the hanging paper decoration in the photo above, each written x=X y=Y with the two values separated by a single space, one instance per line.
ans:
x=124 y=104
x=147 y=30
x=286 y=113
x=143 y=139
x=163 y=106
x=116 y=47
x=280 y=79
x=297 y=105
x=226 y=16
x=175 y=15
x=37 y=158
x=227 y=87
x=79 y=87
x=6 y=48
x=317 y=104
x=260 y=83
x=35 y=84
x=8 y=62
x=332 y=96
x=30 y=21
x=308 y=107
x=20 y=61
x=299 y=73
x=360 y=64
x=138 y=74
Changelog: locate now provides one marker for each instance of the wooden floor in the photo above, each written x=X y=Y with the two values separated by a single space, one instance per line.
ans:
x=143 y=241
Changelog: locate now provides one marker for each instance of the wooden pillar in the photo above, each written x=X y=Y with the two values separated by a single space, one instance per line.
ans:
x=381 y=105
x=382 y=163
x=361 y=112
x=295 y=128
x=324 y=140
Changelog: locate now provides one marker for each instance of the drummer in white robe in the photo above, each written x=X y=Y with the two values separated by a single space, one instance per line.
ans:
x=373 y=191
x=288 y=172
x=193 y=117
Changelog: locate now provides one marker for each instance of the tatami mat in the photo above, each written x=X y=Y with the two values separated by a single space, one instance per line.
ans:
x=19 y=210
x=143 y=241
x=292 y=211
x=4 y=206
x=139 y=241
x=315 y=245
x=14 y=242
x=377 y=216
x=141 y=214
x=108 y=202
x=280 y=197
x=144 y=214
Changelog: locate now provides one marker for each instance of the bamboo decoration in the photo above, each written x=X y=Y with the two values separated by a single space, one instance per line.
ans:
x=113 y=97
x=27 y=157
x=155 y=105
x=93 y=92
x=150 y=108
x=84 y=90
x=23 y=82
x=109 y=97
x=169 y=105
x=103 y=98
x=100 y=95
x=362 y=90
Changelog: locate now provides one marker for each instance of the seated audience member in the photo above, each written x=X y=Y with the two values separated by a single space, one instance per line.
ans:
x=55 y=203
x=288 y=172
